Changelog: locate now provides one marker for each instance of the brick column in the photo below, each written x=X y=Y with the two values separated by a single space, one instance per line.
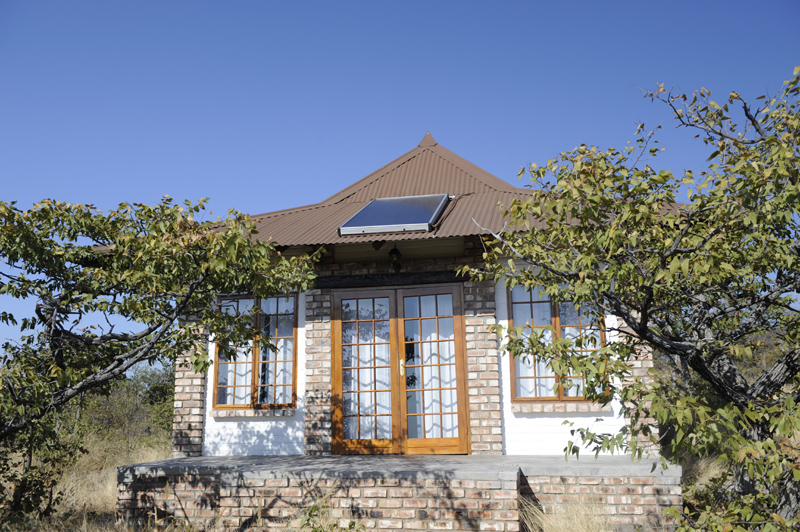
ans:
x=189 y=411
x=318 y=406
x=483 y=372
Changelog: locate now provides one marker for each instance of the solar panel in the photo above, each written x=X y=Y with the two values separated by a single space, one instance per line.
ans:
x=389 y=215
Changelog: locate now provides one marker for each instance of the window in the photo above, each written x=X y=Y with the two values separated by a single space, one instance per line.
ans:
x=256 y=377
x=532 y=380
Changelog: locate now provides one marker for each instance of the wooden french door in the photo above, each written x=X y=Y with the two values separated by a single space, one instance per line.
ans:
x=399 y=372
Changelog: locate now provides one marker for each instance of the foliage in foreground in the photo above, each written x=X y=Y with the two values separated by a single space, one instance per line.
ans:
x=112 y=290
x=708 y=285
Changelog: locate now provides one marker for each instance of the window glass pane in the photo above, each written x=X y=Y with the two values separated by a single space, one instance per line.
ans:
x=349 y=333
x=522 y=314
x=382 y=355
x=382 y=379
x=349 y=309
x=449 y=401
x=365 y=355
x=366 y=379
x=568 y=314
x=571 y=333
x=415 y=428
x=284 y=373
x=225 y=374
x=246 y=306
x=428 y=356
x=383 y=405
x=223 y=396
x=576 y=388
x=523 y=366
x=269 y=305
x=412 y=354
x=446 y=328
x=445 y=302
x=349 y=404
x=384 y=427
x=365 y=331
x=542 y=369
x=285 y=325
x=430 y=377
x=433 y=426
x=411 y=307
x=428 y=306
x=381 y=308
x=286 y=305
x=365 y=309
x=447 y=374
x=546 y=387
x=428 y=330
x=412 y=331
x=351 y=428
x=447 y=352
x=241 y=395
x=518 y=293
x=542 y=315
x=413 y=403
x=382 y=331
x=432 y=403
x=526 y=388
x=450 y=426
x=266 y=373
x=265 y=395
x=283 y=395
x=268 y=326
x=366 y=404
x=348 y=356
x=349 y=379
x=413 y=377
x=367 y=431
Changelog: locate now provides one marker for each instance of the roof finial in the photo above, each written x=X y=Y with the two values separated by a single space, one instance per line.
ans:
x=427 y=141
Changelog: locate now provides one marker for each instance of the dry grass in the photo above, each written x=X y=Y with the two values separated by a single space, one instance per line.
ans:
x=573 y=517
x=701 y=472
x=91 y=484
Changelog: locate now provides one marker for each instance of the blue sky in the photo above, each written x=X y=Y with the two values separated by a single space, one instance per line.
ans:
x=268 y=105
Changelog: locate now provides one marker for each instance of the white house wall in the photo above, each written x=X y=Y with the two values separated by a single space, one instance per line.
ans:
x=543 y=433
x=259 y=435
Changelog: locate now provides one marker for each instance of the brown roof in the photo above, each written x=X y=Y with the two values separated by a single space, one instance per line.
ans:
x=427 y=169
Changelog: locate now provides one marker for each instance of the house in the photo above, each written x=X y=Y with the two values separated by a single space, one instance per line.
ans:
x=391 y=353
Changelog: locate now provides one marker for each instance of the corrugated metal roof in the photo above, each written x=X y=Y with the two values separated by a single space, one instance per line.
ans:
x=427 y=169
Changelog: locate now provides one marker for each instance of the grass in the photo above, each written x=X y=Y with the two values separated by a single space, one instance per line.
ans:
x=572 y=517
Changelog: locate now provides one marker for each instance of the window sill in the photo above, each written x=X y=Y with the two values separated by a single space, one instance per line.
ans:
x=549 y=407
x=250 y=412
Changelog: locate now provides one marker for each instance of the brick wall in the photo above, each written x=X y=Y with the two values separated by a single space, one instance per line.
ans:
x=628 y=502
x=189 y=411
x=239 y=501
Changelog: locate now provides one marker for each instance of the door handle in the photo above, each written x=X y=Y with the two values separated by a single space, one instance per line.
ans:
x=402 y=368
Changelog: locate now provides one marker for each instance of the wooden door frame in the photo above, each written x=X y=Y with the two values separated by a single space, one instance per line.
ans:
x=400 y=443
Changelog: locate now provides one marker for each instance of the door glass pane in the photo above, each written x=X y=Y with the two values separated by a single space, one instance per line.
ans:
x=369 y=356
x=427 y=306
x=411 y=307
x=450 y=426
x=415 y=428
x=433 y=426
x=382 y=308
x=445 y=302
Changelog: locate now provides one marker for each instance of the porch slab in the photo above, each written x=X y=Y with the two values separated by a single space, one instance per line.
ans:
x=478 y=467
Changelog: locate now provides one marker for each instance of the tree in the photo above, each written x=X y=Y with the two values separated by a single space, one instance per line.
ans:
x=114 y=290
x=710 y=285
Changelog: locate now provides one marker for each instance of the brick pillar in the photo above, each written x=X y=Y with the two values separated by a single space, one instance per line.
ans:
x=483 y=372
x=189 y=412
x=318 y=406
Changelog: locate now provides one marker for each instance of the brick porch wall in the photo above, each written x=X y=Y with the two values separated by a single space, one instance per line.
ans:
x=238 y=501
